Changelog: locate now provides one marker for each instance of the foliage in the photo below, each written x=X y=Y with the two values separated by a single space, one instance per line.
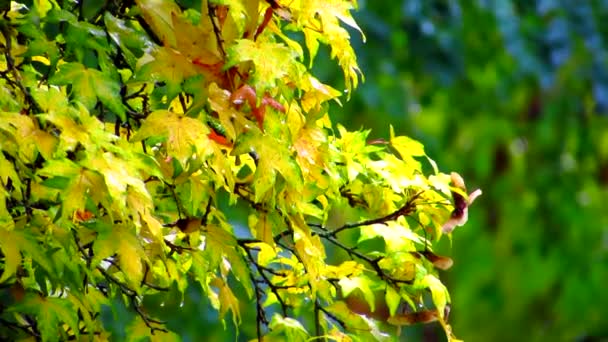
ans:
x=130 y=131
x=513 y=93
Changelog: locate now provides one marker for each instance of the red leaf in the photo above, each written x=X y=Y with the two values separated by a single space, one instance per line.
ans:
x=220 y=139
x=83 y=215
x=267 y=100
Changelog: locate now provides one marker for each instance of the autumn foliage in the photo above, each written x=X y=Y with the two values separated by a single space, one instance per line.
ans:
x=129 y=129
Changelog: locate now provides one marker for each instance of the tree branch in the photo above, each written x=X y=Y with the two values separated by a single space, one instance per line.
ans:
x=261 y=269
x=405 y=210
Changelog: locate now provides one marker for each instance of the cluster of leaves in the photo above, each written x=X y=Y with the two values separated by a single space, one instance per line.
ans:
x=127 y=127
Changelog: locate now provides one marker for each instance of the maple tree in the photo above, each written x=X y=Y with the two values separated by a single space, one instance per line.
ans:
x=127 y=129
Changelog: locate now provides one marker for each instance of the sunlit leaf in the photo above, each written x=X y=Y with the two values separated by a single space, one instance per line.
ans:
x=186 y=137
x=275 y=158
x=266 y=74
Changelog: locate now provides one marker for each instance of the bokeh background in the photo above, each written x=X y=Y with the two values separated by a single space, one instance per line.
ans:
x=514 y=96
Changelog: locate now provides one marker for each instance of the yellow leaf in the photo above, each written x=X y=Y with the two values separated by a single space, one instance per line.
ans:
x=407 y=147
x=130 y=255
x=227 y=300
x=157 y=14
x=154 y=226
x=310 y=250
x=311 y=148
x=118 y=175
x=400 y=266
x=266 y=254
x=28 y=136
x=186 y=137
x=74 y=196
x=398 y=238
x=346 y=269
x=393 y=299
x=8 y=175
x=316 y=93
x=71 y=132
x=219 y=100
x=263 y=229
x=197 y=43
x=12 y=255
x=320 y=21
x=272 y=61
x=168 y=65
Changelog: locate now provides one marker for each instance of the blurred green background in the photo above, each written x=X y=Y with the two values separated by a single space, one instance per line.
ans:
x=514 y=96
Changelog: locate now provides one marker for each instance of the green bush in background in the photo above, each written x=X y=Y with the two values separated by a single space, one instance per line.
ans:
x=514 y=94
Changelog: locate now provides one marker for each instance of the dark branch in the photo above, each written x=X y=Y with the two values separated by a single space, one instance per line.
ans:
x=405 y=210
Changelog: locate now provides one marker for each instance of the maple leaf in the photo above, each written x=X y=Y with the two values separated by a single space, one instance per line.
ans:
x=274 y=157
x=220 y=244
x=197 y=43
x=157 y=14
x=51 y=313
x=227 y=300
x=231 y=119
x=317 y=93
x=165 y=64
x=27 y=136
x=319 y=20
x=90 y=85
x=75 y=182
x=185 y=137
x=272 y=61
x=121 y=241
x=130 y=41
x=17 y=242
x=192 y=51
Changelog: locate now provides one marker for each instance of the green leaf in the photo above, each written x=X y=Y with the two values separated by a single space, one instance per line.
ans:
x=130 y=40
x=439 y=293
x=90 y=85
x=90 y=8
x=220 y=243
x=360 y=283
x=16 y=241
x=288 y=327
x=393 y=299
x=51 y=315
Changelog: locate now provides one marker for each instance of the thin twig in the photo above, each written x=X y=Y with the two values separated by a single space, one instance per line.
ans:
x=405 y=210
x=216 y=29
